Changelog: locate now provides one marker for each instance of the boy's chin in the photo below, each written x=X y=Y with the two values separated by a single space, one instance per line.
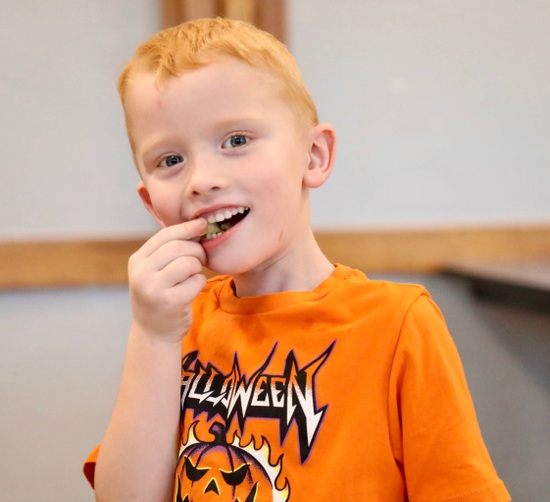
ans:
x=217 y=266
x=230 y=263
x=212 y=269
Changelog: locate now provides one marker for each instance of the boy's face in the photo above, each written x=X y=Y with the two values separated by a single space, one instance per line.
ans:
x=218 y=142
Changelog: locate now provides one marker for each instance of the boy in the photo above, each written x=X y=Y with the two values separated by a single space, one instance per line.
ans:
x=288 y=378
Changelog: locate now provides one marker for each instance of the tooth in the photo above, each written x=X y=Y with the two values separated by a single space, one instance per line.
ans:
x=225 y=215
x=212 y=235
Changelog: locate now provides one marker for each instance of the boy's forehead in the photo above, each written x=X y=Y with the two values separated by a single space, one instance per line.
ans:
x=220 y=78
x=232 y=70
x=231 y=83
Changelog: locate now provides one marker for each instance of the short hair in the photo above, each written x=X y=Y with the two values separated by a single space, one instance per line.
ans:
x=195 y=44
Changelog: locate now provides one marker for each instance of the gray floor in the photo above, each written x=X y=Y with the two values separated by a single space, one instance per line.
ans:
x=61 y=355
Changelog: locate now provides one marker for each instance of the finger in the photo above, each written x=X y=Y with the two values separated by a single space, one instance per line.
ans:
x=174 y=250
x=141 y=266
x=186 y=292
x=178 y=272
x=186 y=231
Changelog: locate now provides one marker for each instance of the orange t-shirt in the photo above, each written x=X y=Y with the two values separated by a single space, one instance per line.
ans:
x=352 y=391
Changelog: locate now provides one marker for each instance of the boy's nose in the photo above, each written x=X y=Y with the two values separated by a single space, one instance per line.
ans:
x=204 y=177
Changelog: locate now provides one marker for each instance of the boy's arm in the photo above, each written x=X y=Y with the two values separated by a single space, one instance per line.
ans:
x=436 y=436
x=137 y=458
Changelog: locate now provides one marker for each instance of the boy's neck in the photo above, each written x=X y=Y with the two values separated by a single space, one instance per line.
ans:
x=293 y=273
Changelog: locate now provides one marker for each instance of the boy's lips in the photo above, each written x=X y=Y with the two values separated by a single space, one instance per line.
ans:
x=221 y=220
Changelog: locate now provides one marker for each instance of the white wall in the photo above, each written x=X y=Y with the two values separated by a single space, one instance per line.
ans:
x=443 y=116
x=66 y=167
x=442 y=108
x=66 y=172
x=61 y=355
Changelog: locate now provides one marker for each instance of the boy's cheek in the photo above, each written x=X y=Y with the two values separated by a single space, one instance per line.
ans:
x=155 y=204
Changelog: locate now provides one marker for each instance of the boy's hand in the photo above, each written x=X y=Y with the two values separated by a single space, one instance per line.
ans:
x=165 y=276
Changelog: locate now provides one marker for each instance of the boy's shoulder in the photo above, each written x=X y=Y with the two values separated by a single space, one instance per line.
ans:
x=356 y=282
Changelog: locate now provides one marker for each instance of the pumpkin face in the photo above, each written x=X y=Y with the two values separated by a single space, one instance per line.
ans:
x=221 y=472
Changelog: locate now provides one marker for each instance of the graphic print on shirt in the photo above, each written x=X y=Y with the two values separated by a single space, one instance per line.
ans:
x=227 y=471
x=225 y=467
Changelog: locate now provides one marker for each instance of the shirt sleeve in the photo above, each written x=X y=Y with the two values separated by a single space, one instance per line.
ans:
x=89 y=465
x=434 y=428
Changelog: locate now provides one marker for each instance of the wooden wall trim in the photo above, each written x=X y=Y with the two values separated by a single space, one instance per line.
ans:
x=268 y=15
x=432 y=250
x=103 y=262
x=65 y=263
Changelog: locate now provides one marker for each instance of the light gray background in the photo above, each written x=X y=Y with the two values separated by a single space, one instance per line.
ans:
x=442 y=110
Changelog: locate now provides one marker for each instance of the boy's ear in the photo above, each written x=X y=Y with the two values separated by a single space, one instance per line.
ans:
x=146 y=199
x=321 y=156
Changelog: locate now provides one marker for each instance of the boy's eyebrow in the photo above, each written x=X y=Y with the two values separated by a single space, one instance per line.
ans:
x=152 y=146
x=237 y=123
x=217 y=127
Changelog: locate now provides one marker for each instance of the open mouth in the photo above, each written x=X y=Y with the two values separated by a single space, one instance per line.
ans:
x=221 y=221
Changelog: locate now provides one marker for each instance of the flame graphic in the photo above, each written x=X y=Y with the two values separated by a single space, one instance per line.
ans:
x=261 y=455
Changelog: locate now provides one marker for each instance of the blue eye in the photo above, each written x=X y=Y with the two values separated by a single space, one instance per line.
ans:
x=171 y=160
x=236 y=141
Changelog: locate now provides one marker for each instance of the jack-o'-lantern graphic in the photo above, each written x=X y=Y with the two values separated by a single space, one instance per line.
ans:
x=226 y=472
